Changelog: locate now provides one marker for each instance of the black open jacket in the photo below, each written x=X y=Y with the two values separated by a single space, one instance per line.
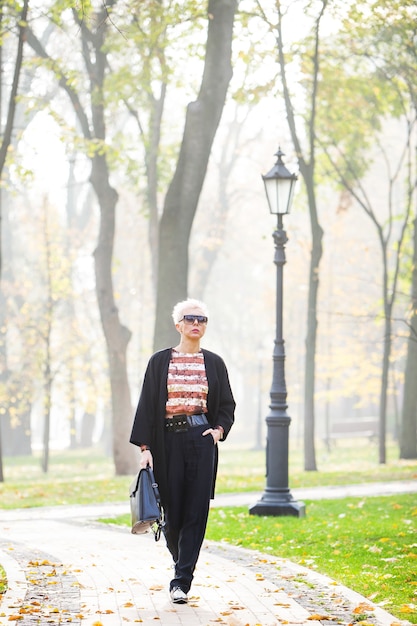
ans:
x=149 y=422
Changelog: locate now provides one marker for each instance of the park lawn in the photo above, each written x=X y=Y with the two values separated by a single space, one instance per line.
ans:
x=87 y=476
x=368 y=544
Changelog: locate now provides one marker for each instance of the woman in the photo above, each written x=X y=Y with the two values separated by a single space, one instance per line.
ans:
x=185 y=408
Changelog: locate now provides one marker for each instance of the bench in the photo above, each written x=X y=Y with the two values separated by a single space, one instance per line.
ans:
x=352 y=429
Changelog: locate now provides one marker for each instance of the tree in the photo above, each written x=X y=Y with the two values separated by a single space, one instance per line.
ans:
x=307 y=163
x=377 y=81
x=18 y=22
x=408 y=433
x=93 y=30
x=202 y=119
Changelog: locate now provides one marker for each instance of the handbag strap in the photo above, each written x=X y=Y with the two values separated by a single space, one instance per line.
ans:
x=154 y=484
x=159 y=524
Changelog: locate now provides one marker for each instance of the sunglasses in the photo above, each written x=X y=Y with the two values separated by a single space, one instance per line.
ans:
x=190 y=319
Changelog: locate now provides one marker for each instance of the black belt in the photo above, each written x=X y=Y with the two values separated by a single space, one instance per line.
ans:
x=181 y=423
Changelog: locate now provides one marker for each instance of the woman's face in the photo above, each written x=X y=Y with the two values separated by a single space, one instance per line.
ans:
x=192 y=328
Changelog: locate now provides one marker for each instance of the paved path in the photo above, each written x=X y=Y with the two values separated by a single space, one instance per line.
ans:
x=64 y=567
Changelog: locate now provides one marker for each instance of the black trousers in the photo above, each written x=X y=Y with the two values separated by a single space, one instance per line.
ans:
x=190 y=463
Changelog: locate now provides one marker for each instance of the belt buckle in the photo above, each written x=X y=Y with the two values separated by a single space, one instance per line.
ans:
x=182 y=426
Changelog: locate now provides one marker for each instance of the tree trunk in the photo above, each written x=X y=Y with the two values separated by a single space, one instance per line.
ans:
x=202 y=119
x=117 y=336
x=6 y=133
x=384 y=388
x=47 y=418
x=311 y=337
x=307 y=169
x=408 y=434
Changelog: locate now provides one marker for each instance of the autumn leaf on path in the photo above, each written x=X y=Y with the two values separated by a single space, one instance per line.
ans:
x=362 y=607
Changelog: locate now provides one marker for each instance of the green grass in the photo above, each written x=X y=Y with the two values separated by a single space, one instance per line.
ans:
x=80 y=477
x=367 y=544
x=350 y=462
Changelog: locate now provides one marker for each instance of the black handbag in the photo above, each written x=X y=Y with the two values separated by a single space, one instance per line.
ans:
x=145 y=504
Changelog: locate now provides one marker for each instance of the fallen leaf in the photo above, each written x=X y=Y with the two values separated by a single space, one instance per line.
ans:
x=363 y=607
x=317 y=617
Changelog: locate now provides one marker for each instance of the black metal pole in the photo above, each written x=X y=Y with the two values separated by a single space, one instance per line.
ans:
x=277 y=498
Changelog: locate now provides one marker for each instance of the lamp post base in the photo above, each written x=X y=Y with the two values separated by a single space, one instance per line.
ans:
x=278 y=505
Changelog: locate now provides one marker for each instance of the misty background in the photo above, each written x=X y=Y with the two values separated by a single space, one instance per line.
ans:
x=55 y=382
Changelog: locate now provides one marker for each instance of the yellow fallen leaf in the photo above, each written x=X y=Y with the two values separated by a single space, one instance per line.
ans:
x=317 y=617
x=406 y=608
x=363 y=607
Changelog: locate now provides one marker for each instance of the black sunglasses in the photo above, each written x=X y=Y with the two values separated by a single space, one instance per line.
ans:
x=190 y=319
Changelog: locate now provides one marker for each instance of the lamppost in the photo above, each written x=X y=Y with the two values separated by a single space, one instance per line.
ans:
x=277 y=498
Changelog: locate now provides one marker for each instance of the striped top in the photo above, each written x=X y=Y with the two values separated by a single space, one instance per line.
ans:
x=187 y=384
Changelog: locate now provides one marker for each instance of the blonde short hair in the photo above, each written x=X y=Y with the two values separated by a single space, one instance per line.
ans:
x=178 y=310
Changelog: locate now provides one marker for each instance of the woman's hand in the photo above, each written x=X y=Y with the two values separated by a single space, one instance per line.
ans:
x=146 y=459
x=216 y=433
